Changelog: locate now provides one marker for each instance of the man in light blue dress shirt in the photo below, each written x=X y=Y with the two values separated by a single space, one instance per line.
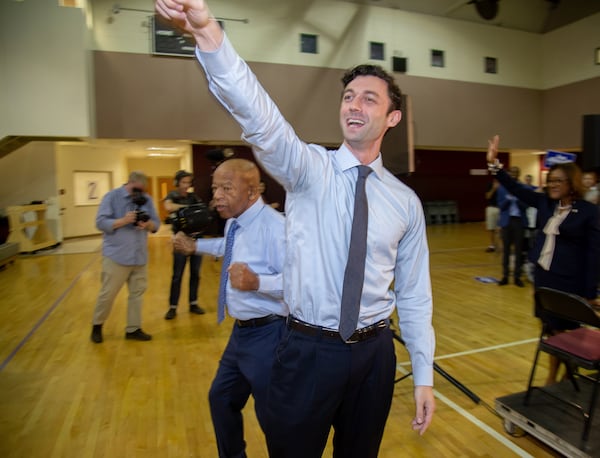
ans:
x=125 y=216
x=254 y=298
x=318 y=379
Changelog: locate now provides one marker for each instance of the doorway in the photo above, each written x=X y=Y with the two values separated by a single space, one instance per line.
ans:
x=163 y=186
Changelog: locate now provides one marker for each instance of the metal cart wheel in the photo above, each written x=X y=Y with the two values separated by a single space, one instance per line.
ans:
x=512 y=429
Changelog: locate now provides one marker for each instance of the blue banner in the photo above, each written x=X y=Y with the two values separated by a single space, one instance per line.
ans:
x=558 y=157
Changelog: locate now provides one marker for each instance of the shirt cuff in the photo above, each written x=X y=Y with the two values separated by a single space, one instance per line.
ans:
x=423 y=375
x=269 y=284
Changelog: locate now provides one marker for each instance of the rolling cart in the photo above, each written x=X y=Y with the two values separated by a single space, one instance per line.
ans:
x=556 y=424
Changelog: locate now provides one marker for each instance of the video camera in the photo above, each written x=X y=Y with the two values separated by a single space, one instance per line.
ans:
x=192 y=220
x=139 y=199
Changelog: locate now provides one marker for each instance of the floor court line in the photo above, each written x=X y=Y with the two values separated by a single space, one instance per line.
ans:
x=478 y=423
x=481 y=425
x=45 y=316
x=490 y=348
x=499 y=437
x=479 y=350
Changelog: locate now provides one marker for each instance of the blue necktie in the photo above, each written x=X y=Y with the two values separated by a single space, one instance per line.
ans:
x=354 y=276
x=224 y=274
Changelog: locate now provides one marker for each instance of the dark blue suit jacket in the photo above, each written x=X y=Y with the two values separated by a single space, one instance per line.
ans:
x=504 y=205
x=577 y=247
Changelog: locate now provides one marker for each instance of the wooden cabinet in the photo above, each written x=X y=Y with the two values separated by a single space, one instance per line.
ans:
x=31 y=235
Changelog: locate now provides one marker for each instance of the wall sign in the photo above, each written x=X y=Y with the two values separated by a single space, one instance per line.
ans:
x=90 y=187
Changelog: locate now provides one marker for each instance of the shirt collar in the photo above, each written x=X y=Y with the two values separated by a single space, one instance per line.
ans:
x=124 y=193
x=250 y=213
x=346 y=160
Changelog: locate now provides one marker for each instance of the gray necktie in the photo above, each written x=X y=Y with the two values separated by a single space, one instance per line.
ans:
x=354 y=275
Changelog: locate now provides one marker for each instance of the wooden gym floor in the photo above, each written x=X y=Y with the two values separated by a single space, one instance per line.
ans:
x=63 y=396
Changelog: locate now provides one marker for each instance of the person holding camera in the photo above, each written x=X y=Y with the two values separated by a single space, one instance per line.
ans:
x=125 y=216
x=251 y=288
x=179 y=198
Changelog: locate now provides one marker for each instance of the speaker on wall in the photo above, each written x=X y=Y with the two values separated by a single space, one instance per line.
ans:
x=591 y=142
x=397 y=147
x=399 y=64
x=487 y=9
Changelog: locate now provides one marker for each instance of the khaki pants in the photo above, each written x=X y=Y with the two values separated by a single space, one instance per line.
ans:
x=114 y=276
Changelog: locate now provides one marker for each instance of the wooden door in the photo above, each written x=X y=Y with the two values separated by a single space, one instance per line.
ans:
x=163 y=185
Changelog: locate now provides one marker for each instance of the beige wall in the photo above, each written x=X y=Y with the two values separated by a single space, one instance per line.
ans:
x=344 y=29
x=45 y=85
x=80 y=220
x=58 y=87
x=529 y=164
x=28 y=176
x=153 y=168
x=45 y=78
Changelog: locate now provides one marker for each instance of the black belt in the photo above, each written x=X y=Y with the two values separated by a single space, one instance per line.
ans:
x=358 y=336
x=255 y=322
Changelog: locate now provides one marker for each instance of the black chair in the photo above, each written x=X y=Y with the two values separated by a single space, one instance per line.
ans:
x=579 y=348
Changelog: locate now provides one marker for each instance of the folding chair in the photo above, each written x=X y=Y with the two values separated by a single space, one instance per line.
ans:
x=579 y=348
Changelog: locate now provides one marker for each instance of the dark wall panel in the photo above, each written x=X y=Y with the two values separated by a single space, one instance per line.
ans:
x=591 y=142
x=446 y=175
x=397 y=147
x=144 y=96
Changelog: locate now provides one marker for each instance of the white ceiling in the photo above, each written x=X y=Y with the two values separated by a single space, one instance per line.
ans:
x=538 y=16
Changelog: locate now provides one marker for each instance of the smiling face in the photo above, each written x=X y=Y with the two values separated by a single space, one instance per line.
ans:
x=235 y=187
x=559 y=185
x=365 y=114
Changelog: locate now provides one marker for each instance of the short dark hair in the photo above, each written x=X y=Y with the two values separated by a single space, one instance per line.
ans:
x=375 y=70
x=180 y=175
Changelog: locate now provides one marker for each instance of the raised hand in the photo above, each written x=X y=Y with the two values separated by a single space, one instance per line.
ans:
x=492 y=151
x=194 y=17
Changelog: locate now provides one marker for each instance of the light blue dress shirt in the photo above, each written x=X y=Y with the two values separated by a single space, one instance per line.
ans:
x=260 y=243
x=127 y=245
x=319 y=206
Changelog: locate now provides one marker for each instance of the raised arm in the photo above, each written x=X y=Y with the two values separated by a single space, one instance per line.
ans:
x=528 y=196
x=492 y=152
x=194 y=17
x=275 y=143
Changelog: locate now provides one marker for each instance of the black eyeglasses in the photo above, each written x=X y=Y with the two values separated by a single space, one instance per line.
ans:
x=556 y=180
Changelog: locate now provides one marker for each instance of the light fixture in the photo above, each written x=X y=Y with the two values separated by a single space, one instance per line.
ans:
x=163 y=154
x=161 y=148
x=163 y=151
